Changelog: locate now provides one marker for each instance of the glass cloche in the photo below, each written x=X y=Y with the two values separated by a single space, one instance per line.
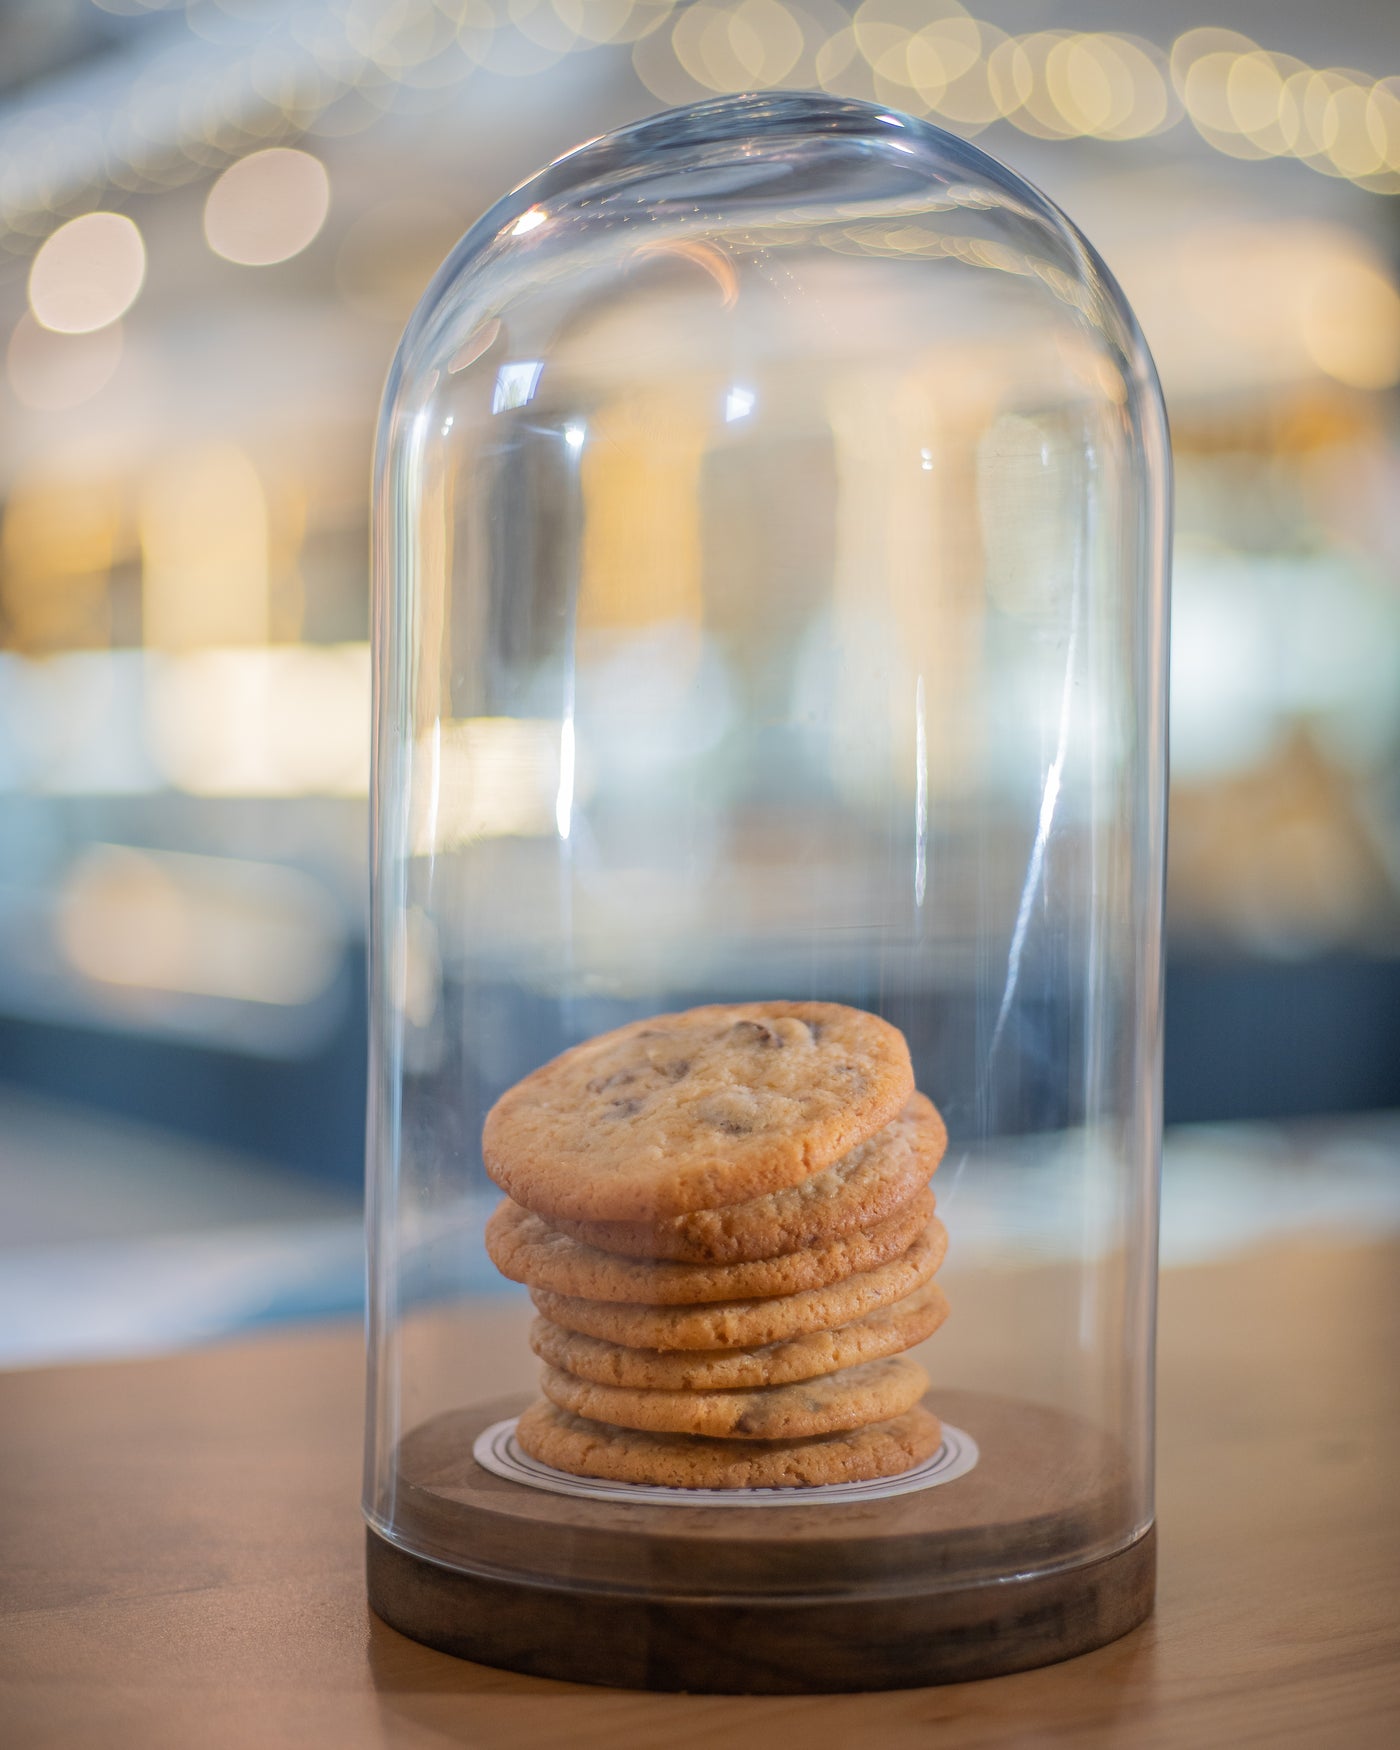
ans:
x=771 y=531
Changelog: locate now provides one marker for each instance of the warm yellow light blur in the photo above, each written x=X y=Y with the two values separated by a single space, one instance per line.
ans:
x=1350 y=323
x=943 y=51
x=1313 y=118
x=1039 y=114
x=1194 y=45
x=204 y=546
x=682 y=50
x=596 y=21
x=51 y=373
x=1258 y=94
x=641 y=563
x=960 y=90
x=395 y=35
x=1010 y=77
x=764 y=39
x=198 y=926
x=883 y=30
x=1233 y=306
x=1253 y=92
x=1206 y=91
x=485 y=777
x=517 y=38
x=613 y=21
x=87 y=273
x=1106 y=86
x=750 y=46
x=1383 y=120
x=55 y=526
x=267 y=207
x=656 y=66
x=543 y=23
x=834 y=59
x=1351 y=143
x=58 y=542
x=1298 y=118
x=1086 y=86
x=291 y=720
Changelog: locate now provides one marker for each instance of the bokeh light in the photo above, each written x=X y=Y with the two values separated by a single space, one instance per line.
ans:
x=751 y=46
x=87 y=274
x=51 y=373
x=203 y=926
x=1107 y=86
x=268 y=207
x=340 y=70
x=203 y=526
x=1350 y=323
x=613 y=21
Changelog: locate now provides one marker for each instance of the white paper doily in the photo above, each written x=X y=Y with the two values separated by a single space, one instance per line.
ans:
x=496 y=1450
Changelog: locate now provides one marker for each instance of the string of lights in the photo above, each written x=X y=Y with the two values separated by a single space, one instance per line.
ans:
x=244 y=78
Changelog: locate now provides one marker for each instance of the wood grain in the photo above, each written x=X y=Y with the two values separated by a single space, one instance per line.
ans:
x=180 y=1560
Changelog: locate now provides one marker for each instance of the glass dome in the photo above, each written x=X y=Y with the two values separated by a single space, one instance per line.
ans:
x=769 y=612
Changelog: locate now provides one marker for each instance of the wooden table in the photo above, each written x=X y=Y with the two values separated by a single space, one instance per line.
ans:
x=180 y=1559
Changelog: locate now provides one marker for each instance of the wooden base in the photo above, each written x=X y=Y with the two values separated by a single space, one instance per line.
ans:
x=974 y=1578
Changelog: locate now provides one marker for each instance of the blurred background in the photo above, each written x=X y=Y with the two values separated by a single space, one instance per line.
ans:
x=215 y=216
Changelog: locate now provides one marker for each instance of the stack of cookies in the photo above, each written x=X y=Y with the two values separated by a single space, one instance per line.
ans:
x=724 y=1220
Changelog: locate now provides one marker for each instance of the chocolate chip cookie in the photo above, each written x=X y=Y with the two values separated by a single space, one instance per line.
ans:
x=747 y=1324
x=525 y=1248
x=874 y=1391
x=887 y=1331
x=689 y=1461
x=709 y=1107
x=865 y=1186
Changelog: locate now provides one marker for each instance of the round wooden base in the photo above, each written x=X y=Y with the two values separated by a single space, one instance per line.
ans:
x=973 y=1578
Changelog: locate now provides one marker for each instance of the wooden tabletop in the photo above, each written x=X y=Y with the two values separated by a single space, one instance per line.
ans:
x=180 y=1559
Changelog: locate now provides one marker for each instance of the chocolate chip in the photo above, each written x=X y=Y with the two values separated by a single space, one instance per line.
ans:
x=754 y=1033
x=626 y=1108
x=620 y=1078
x=732 y=1112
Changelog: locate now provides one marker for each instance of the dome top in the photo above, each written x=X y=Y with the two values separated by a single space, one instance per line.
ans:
x=752 y=180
